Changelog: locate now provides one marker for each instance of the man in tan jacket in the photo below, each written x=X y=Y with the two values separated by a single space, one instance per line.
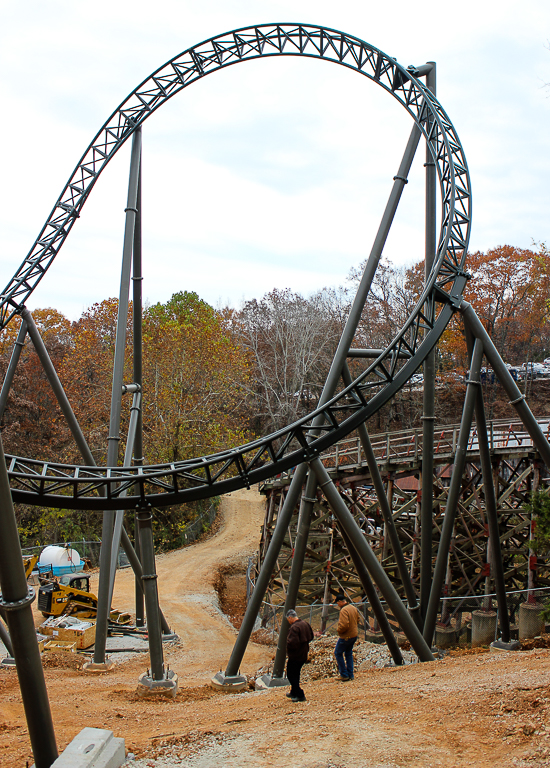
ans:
x=347 y=635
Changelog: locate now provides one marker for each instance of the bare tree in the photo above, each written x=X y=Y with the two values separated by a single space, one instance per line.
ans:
x=292 y=340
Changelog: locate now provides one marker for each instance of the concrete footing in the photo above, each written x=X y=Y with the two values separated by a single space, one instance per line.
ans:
x=445 y=637
x=529 y=623
x=8 y=662
x=99 y=668
x=93 y=748
x=229 y=683
x=499 y=645
x=374 y=637
x=484 y=627
x=168 y=637
x=266 y=681
x=166 y=686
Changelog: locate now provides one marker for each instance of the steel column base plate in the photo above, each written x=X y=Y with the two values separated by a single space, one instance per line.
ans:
x=98 y=668
x=167 y=686
x=229 y=683
x=8 y=662
x=170 y=637
x=266 y=681
x=499 y=645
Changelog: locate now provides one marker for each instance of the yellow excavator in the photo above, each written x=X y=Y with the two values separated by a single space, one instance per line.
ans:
x=29 y=563
x=70 y=595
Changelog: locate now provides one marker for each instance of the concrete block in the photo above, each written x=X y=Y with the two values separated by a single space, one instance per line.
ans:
x=95 y=668
x=499 y=645
x=267 y=681
x=530 y=623
x=167 y=686
x=93 y=748
x=484 y=627
x=229 y=684
x=445 y=637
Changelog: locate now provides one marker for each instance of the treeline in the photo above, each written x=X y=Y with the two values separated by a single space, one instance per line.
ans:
x=218 y=377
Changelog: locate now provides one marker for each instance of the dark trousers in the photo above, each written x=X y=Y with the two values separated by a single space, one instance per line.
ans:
x=344 y=656
x=293 y=669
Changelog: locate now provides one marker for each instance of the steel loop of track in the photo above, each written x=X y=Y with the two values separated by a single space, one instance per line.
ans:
x=77 y=487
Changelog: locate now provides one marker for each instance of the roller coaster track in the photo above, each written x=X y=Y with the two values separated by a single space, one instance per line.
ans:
x=72 y=486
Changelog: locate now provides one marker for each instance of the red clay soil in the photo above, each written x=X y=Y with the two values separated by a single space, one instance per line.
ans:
x=475 y=710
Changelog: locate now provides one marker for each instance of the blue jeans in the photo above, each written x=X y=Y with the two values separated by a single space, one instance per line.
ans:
x=344 y=656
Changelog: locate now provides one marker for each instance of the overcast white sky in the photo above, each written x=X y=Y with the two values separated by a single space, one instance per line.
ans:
x=273 y=173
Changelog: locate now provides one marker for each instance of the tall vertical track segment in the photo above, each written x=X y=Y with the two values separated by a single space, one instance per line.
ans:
x=71 y=486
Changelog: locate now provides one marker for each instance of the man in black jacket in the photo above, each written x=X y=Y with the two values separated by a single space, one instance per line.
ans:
x=297 y=647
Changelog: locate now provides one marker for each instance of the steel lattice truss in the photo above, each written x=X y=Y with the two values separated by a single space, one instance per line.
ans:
x=80 y=487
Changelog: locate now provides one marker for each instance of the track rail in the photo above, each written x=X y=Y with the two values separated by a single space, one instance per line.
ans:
x=71 y=486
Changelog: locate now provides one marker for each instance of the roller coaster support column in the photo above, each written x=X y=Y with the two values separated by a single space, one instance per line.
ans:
x=374 y=600
x=387 y=513
x=76 y=432
x=346 y=520
x=103 y=601
x=492 y=519
x=428 y=417
x=306 y=509
x=502 y=373
x=15 y=355
x=231 y=680
x=6 y=639
x=137 y=297
x=157 y=680
x=16 y=600
x=454 y=492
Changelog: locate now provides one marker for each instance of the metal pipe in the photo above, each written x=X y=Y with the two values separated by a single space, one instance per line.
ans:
x=138 y=571
x=150 y=589
x=10 y=373
x=16 y=601
x=329 y=388
x=137 y=318
x=374 y=353
x=492 y=517
x=369 y=558
x=74 y=426
x=385 y=508
x=270 y=559
x=428 y=412
x=453 y=495
x=103 y=604
x=5 y=638
x=300 y=544
x=119 y=515
x=374 y=600
x=57 y=387
x=503 y=374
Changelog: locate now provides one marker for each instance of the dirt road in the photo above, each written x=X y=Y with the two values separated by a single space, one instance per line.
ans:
x=475 y=710
x=187 y=595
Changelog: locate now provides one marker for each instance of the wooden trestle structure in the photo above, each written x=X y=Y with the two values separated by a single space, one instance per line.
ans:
x=328 y=568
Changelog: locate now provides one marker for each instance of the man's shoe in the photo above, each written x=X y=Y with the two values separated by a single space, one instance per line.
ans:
x=289 y=695
x=345 y=679
x=294 y=699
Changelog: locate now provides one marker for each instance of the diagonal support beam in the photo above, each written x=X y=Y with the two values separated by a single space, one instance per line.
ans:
x=454 y=493
x=345 y=518
x=10 y=373
x=386 y=509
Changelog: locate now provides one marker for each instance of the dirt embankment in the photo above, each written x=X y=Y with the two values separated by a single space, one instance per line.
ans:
x=476 y=710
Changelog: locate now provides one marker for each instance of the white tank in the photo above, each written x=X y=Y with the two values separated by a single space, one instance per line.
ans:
x=60 y=557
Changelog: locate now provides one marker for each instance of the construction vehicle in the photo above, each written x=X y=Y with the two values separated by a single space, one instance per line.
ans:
x=70 y=595
x=29 y=563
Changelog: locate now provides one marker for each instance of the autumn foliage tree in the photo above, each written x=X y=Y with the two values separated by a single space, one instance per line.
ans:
x=509 y=289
